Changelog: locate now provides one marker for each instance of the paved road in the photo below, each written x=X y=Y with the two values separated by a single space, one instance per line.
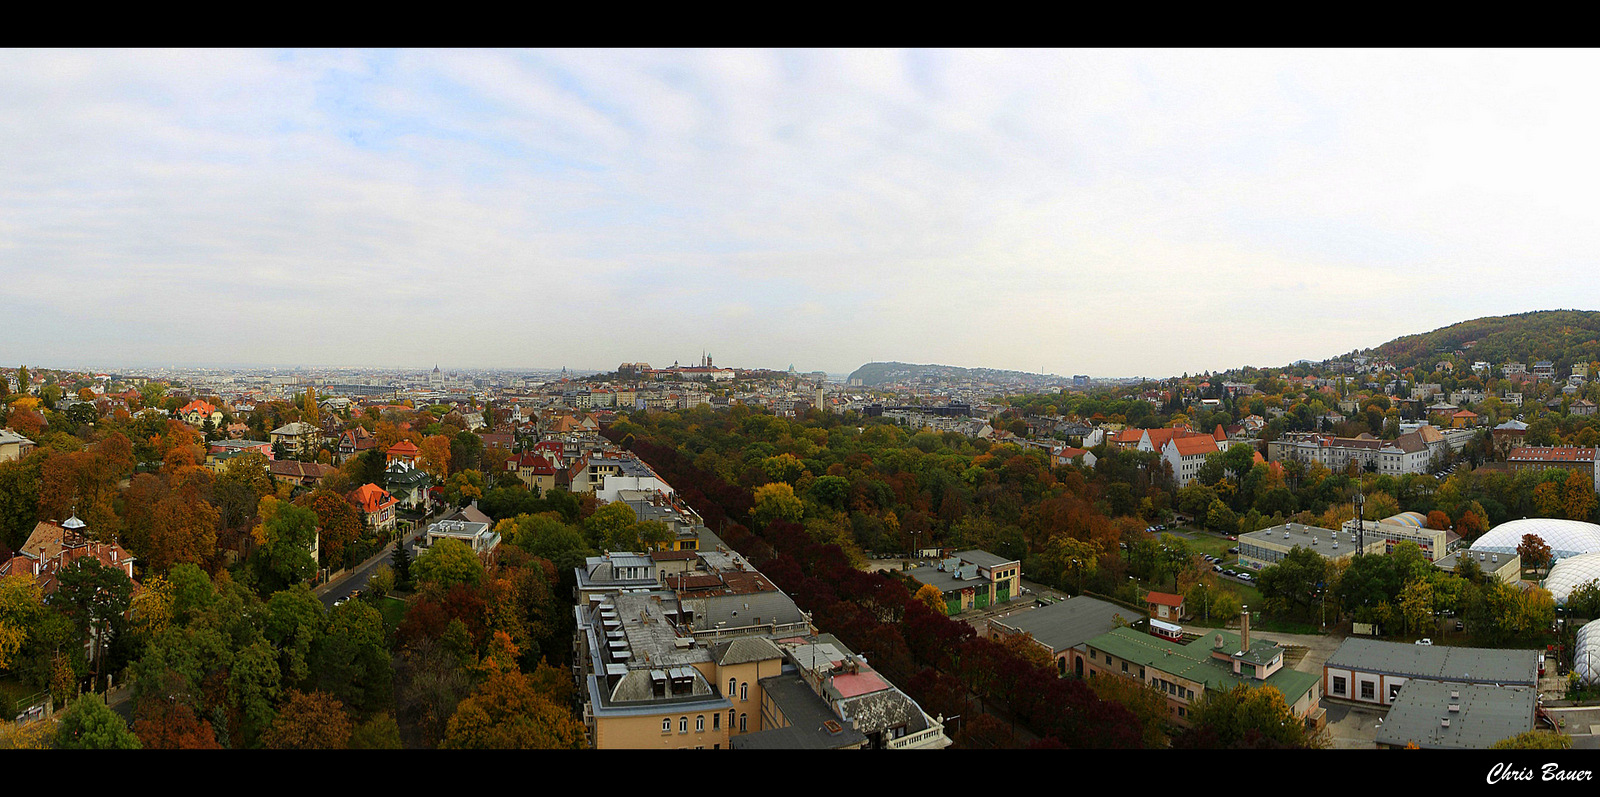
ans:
x=358 y=577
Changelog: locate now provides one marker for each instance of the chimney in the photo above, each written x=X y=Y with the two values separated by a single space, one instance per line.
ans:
x=1244 y=629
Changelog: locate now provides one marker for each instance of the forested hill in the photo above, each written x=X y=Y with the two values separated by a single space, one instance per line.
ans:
x=874 y=374
x=1561 y=336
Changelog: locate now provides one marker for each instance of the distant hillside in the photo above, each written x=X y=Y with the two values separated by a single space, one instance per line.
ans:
x=1561 y=336
x=874 y=374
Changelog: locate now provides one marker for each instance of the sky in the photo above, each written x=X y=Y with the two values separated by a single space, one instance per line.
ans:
x=1111 y=213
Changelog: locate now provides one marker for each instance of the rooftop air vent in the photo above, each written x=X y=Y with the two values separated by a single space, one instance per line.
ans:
x=1455 y=708
x=1444 y=722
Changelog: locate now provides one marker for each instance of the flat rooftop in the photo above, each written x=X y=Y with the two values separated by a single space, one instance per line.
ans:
x=1483 y=715
x=1438 y=662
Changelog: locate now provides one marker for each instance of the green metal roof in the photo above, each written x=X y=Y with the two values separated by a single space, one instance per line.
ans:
x=1193 y=661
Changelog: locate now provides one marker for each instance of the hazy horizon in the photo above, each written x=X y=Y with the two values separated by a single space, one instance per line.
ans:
x=1112 y=213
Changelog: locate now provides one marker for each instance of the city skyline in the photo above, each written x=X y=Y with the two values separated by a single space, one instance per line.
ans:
x=1001 y=210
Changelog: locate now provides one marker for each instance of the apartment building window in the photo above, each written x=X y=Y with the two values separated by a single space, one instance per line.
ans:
x=666 y=725
x=683 y=725
x=730 y=719
x=1124 y=666
x=744 y=691
x=731 y=684
x=1367 y=690
x=716 y=722
x=700 y=724
x=742 y=718
x=1338 y=684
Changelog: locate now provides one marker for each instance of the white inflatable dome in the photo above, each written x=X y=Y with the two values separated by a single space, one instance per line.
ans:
x=1586 y=654
x=1565 y=537
x=1570 y=573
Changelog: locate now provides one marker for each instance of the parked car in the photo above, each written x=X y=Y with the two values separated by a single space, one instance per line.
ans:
x=1460 y=626
x=1424 y=642
x=1217 y=568
x=1233 y=538
x=1246 y=577
x=1230 y=573
x=1233 y=550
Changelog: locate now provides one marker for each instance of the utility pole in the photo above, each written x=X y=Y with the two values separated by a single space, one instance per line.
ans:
x=1361 y=536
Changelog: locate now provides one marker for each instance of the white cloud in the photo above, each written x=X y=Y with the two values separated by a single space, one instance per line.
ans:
x=1104 y=212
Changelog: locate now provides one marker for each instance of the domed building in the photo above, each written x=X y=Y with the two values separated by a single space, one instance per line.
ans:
x=1571 y=573
x=1565 y=537
x=1415 y=520
x=1586 y=654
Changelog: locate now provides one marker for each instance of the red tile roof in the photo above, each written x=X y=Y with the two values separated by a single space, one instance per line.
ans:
x=1165 y=599
x=1551 y=454
x=1190 y=446
x=372 y=498
x=404 y=448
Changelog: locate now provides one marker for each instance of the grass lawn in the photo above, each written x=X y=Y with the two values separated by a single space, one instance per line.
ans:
x=1209 y=544
x=393 y=611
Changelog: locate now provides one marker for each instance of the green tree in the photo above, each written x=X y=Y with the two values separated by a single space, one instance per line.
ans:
x=831 y=491
x=379 y=733
x=294 y=625
x=1416 y=604
x=96 y=597
x=284 y=538
x=783 y=468
x=776 y=501
x=1244 y=716
x=402 y=568
x=449 y=562
x=1220 y=518
x=1292 y=585
x=90 y=725
x=610 y=523
x=353 y=663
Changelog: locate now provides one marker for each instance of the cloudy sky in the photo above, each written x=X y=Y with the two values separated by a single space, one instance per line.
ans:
x=1110 y=213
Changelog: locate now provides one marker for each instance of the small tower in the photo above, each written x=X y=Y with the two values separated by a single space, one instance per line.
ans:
x=73 y=535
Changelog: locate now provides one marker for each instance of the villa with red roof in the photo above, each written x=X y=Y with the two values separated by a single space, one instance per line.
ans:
x=197 y=412
x=405 y=449
x=54 y=546
x=377 y=504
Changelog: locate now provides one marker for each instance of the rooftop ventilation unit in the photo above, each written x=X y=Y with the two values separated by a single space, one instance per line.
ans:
x=1455 y=708
x=1444 y=722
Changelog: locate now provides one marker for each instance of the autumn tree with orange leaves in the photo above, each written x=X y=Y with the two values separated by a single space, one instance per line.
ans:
x=315 y=721
x=169 y=725
x=508 y=712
